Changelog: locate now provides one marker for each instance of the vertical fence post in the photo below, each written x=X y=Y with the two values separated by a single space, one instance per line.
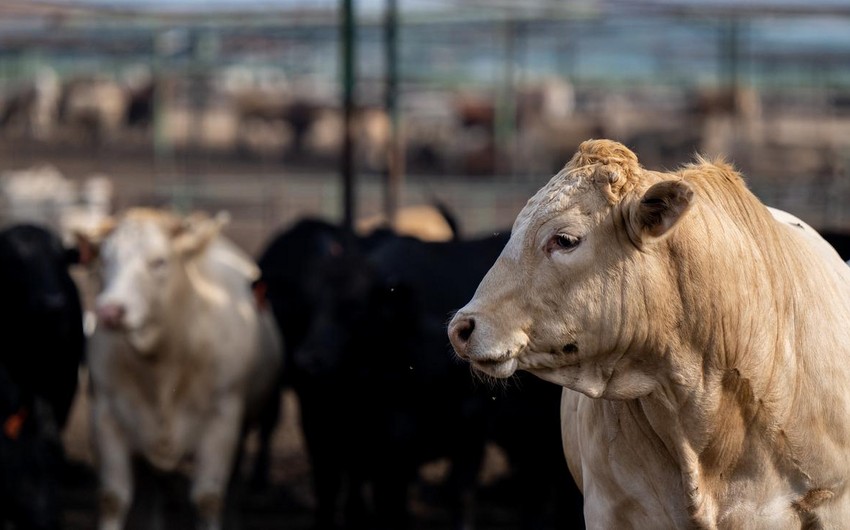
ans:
x=347 y=43
x=162 y=148
x=505 y=111
x=395 y=148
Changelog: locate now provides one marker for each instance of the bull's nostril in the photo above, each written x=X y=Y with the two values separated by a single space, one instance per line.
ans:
x=465 y=330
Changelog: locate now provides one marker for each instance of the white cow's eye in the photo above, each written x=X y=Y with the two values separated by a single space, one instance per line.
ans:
x=157 y=263
x=563 y=242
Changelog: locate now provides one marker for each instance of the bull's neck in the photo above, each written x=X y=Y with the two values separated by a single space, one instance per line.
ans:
x=731 y=399
x=710 y=427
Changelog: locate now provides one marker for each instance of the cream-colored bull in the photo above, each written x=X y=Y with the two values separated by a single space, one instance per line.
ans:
x=180 y=353
x=703 y=345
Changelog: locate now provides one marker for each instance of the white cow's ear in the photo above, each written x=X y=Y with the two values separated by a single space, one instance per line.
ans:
x=658 y=211
x=88 y=239
x=196 y=232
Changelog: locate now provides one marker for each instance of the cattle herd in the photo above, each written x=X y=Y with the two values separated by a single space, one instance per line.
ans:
x=186 y=359
x=693 y=336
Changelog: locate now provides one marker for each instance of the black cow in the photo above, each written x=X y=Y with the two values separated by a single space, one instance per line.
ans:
x=43 y=345
x=290 y=263
x=378 y=330
x=380 y=389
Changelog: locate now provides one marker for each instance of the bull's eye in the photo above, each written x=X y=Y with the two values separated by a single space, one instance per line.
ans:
x=157 y=263
x=562 y=242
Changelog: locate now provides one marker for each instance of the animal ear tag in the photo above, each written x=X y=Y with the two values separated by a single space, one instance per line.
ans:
x=14 y=424
x=659 y=210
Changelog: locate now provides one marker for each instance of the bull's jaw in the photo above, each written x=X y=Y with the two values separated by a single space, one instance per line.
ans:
x=572 y=377
x=595 y=378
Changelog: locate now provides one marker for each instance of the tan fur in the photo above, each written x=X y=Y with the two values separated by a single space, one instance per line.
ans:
x=710 y=387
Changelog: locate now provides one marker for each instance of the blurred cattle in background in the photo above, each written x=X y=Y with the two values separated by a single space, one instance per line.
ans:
x=376 y=331
x=43 y=344
x=455 y=131
x=472 y=149
x=94 y=105
x=260 y=99
x=181 y=358
x=448 y=132
x=42 y=195
x=140 y=86
x=548 y=126
x=291 y=257
x=38 y=195
x=364 y=320
x=726 y=118
x=553 y=98
x=371 y=130
x=429 y=124
x=31 y=106
x=258 y=112
x=425 y=222
x=302 y=122
x=289 y=261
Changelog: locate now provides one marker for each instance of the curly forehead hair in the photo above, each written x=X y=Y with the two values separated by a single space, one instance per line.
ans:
x=610 y=165
x=607 y=165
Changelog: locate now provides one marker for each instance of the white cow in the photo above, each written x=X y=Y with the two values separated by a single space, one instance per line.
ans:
x=180 y=353
x=701 y=339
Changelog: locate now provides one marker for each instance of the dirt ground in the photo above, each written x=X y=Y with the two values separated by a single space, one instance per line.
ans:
x=286 y=504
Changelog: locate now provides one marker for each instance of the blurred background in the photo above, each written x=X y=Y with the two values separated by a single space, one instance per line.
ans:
x=244 y=106
x=239 y=105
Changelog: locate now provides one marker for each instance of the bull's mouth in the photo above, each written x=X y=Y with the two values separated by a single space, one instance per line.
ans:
x=498 y=368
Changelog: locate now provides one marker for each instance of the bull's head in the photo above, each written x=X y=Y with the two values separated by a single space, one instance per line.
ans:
x=145 y=264
x=577 y=293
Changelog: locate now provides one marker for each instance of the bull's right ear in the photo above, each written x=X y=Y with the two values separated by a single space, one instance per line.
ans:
x=657 y=212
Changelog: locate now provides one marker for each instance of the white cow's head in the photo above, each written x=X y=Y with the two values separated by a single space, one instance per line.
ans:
x=146 y=259
x=580 y=287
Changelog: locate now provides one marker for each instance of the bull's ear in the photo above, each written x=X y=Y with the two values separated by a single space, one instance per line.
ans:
x=197 y=231
x=658 y=211
x=88 y=240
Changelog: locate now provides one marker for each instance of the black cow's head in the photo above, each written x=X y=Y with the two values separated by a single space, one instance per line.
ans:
x=33 y=271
